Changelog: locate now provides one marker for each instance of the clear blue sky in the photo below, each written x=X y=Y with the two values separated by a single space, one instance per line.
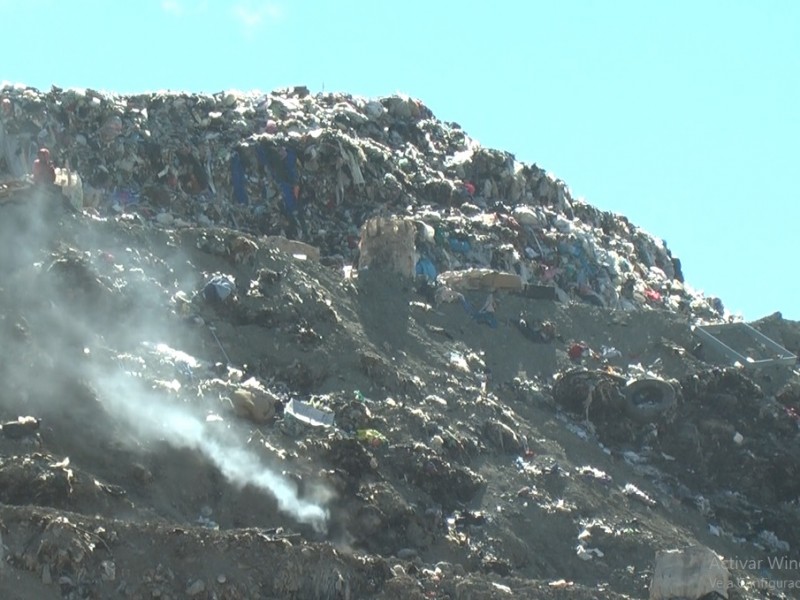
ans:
x=682 y=115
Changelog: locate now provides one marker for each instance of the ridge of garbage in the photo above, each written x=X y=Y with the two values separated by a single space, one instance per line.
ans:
x=315 y=167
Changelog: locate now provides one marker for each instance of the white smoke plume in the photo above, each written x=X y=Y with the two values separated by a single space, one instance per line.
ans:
x=56 y=306
x=152 y=416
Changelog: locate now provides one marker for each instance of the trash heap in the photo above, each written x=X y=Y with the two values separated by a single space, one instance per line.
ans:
x=315 y=167
x=195 y=388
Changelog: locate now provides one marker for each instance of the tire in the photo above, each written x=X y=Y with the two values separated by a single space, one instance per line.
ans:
x=649 y=399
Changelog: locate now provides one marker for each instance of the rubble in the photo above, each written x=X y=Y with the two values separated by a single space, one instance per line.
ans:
x=316 y=166
x=317 y=346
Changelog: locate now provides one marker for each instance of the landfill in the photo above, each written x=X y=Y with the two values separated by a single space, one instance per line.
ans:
x=312 y=345
x=315 y=167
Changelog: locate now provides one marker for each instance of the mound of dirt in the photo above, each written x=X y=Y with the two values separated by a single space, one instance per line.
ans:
x=203 y=412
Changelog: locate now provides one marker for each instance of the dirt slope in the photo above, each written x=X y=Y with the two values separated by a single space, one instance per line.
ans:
x=457 y=467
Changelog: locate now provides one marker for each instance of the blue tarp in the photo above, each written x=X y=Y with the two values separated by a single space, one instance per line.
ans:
x=281 y=164
x=287 y=187
x=459 y=246
x=426 y=267
x=238 y=179
x=287 y=190
x=261 y=155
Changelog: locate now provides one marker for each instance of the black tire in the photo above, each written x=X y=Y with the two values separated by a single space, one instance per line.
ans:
x=649 y=399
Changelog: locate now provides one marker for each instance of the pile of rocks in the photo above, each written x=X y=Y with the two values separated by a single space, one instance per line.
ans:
x=317 y=166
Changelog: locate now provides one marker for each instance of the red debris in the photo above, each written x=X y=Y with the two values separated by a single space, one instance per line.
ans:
x=652 y=295
x=577 y=350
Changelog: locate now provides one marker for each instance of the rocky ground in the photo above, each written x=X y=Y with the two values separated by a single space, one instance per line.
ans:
x=320 y=435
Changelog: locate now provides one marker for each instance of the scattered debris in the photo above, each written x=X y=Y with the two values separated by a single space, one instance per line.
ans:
x=331 y=246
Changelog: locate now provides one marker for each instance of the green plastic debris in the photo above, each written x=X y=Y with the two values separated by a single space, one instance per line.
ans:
x=373 y=437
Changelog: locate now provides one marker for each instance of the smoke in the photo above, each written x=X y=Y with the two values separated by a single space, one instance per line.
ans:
x=70 y=284
x=152 y=416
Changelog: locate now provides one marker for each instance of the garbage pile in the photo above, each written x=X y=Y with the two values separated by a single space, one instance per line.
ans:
x=617 y=408
x=315 y=167
x=197 y=388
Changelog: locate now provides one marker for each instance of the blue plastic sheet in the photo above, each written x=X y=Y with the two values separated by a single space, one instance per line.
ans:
x=427 y=268
x=238 y=179
x=459 y=246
